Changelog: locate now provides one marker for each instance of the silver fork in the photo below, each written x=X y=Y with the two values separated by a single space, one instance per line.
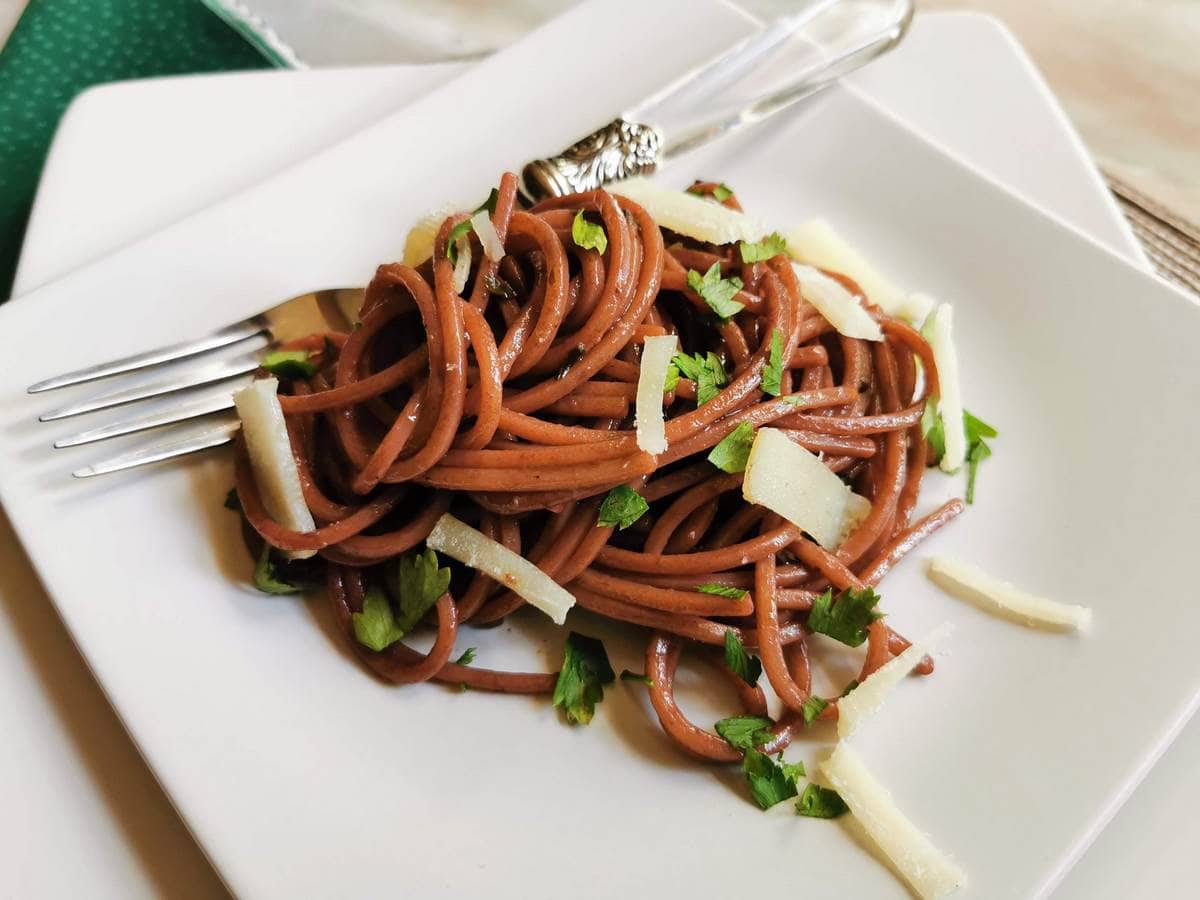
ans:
x=839 y=35
x=328 y=310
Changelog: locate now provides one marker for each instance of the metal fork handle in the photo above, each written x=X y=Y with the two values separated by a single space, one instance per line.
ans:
x=630 y=146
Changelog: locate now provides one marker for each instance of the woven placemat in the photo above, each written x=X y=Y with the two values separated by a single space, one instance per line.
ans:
x=1171 y=242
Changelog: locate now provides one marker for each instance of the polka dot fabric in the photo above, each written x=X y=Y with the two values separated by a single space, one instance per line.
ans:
x=60 y=47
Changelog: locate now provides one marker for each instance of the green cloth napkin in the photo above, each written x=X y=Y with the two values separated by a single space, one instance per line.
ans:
x=60 y=47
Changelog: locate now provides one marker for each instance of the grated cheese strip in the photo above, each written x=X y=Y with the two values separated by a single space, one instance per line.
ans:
x=270 y=451
x=475 y=549
x=652 y=378
x=789 y=480
x=972 y=584
x=690 y=215
x=837 y=305
x=930 y=872
x=866 y=699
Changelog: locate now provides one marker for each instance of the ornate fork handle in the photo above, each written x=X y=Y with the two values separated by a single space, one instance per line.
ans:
x=619 y=150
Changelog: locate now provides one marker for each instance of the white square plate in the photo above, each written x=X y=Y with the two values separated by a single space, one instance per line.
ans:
x=302 y=776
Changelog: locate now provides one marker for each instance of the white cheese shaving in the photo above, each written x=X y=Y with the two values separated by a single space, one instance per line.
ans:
x=270 y=450
x=839 y=307
x=482 y=223
x=864 y=701
x=418 y=246
x=652 y=378
x=939 y=331
x=919 y=307
x=690 y=215
x=969 y=583
x=930 y=872
x=817 y=244
x=791 y=481
x=462 y=264
x=475 y=549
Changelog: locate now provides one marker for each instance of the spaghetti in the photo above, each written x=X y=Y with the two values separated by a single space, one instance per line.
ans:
x=511 y=402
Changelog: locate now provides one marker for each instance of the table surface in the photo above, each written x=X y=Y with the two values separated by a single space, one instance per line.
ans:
x=73 y=781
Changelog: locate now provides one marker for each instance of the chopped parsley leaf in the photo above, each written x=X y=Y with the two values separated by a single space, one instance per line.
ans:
x=720 y=590
x=846 y=617
x=975 y=431
x=419 y=583
x=732 y=453
x=585 y=671
x=812 y=708
x=588 y=235
x=745 y=732
x=672 y=378
x=772 y=245
x=268 y=579
x=770 y=782
x=706 y=370
x=821 y=803
x=468 y=657
x=627 y=675
x=716 y=291
x=746 y=666
x=232 y=501
x=851 y=686
x=622 y=507
x=772 y=378
x=375 y=627
x=289 y=364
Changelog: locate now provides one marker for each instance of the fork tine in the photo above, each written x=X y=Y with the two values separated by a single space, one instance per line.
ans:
x=208 y=374
x=193 y=410
x=212 y=437
x=223 y=338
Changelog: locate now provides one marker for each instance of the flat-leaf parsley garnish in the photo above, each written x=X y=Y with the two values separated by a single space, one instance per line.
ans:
x=733 y=451
x=716 y=291
x=821 y=803
x=721 y=590
x=770 y=781
x=588 y=235
x=770 y=246
x=744 y=665
x=745 y=732
x=585 y=671
x=706 y=370
x=845 y=617
x=772 y=377
x=289 y=364
x=622 y=507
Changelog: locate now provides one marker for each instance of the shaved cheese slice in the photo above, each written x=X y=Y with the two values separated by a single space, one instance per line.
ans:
x=789 y=480
x=462 y=264
x=270 y=450
x=817 y=244
x=919 y=307
x=418 y=246
x=690 y=215
x=481 y=222
x=970 y=583
x=652 y=378
x=939 y=331
x=864 y=701
x=838 y=306
x=930 y=872
x=462 y=542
